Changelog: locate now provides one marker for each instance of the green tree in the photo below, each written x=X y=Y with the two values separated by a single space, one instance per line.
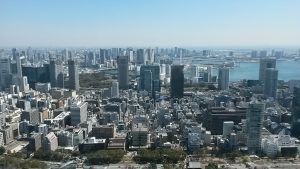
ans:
x=28 y=164
x=2 y=150
x=48 y=155
x=105 y=157
x=212 y=166
x=171 y=156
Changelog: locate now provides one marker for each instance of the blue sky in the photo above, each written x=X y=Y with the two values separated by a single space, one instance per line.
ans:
x=149 y=23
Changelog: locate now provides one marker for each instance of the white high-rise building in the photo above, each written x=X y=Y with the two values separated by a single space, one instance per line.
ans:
x=115 y=89
x=78 y=113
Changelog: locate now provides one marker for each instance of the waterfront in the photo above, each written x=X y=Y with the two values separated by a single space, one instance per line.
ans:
x=288 y=70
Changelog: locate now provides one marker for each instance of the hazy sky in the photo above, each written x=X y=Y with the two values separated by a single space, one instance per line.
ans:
x=150 y=23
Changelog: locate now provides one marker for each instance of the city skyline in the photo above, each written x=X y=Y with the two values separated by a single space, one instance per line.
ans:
x=149 y=23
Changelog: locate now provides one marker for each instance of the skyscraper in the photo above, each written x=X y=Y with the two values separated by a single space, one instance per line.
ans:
x=146 y=80
x=270 y=82
x=140 y=56
x=177 y=81
x=263 y=65
x=78 y=113
x=223 y=79
x=115 y=89
x=150 y=78
x=123 y=72
x=296 y=113
x=73 y=75
x=254 y=126
x=4 y=72
x=56 y=74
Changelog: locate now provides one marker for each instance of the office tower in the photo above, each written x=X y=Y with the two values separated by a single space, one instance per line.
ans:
x=36 y=74
x=90 y=59
x=102 y=56
x=65 y=54
x=23 y=84
x=263 y=65
x=50 y=142
x=4 y=73
x=254 y=126
x=207 y=74
x=73 y=75
x=254 y=54
x=146 y=81
x=14 y=53
x=78 y=113
x=56 y=74
x=223 y=79
x=115 y=89
x=19 y=66
x=19 y=79
x=177 y=81
x=150 y=78
x=270 y=82
x=227 y=128
x=296 y=113
x=263 y=54
x=53 y=72
x=140 y=57
x=114 y=53
x=123 y=72
x=140 y=135
x=35 y=142
x=32 y=116
x=104 y=131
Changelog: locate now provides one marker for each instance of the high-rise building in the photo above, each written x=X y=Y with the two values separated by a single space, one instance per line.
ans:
x=32 y=116
x=50 y=142
x=56 y=74
x=227 y=128
x=35 y=142
x=78 y=113
x=263 y=54
x=296 y=113
x=14 y=53
x=36 y=74
x=270 y=82
x=5 y=72
x=263 y=65
x=254 y=126
x=140 y=56
x=123 y=72
x=254 y=53
x=73 y=75
x=90 y=59
x=177 y=81
x=146 y=81
x=150 y=78
x=115 y=89
x=102 y=56
x=223 y=79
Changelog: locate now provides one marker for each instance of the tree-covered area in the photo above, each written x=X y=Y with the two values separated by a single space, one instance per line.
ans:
x=48 y=155
x=105 y=157
x=12 y=163
x=2 y=150
x=212 y=166
x=94 y=80
x=160 y=156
